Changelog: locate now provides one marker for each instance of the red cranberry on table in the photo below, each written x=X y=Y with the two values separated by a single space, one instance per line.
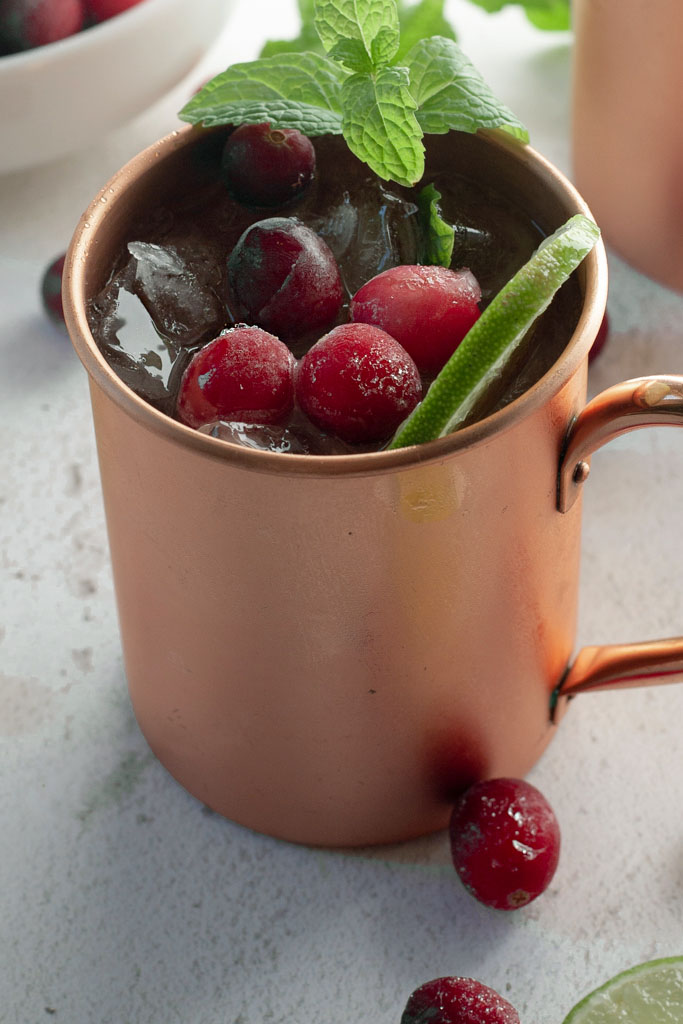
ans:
x=28 y=23
x=51 y=292
x=358 y=383
x=429 y=310
x=102 y=10
x=264 y=166
x=243 y=375
x=284 y=277
x=505 y=842
x=457 y=1001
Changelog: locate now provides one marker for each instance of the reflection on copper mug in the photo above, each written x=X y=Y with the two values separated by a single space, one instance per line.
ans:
x=328 y=648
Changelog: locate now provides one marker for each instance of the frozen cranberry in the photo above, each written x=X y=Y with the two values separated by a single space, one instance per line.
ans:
x=429 y=310
x=264 y=166
x=28 y=23
x=505 y=842
x=244 y=374
x=600 y=339
x=358 y=383
x=102 y=10
x=51 y=292
x=457 y=1001
x=284 y=277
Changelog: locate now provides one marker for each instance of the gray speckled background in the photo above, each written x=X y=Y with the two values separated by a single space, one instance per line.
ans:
x=125 y=902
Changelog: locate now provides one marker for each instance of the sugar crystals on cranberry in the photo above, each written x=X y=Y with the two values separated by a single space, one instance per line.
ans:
x=358 y=383
x=429 y=310
x=245 y=374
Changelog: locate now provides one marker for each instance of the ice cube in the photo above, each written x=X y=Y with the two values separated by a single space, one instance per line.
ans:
x=256 y=435
x=340 y=227
x=297 y=437
x=124 y=330
x=378 y=231
x=180 y=290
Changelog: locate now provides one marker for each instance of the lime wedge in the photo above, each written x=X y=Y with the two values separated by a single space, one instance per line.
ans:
x=493 y=339
x=651 y=993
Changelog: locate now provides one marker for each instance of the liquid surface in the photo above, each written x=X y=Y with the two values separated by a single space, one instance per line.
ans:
x=168 y=293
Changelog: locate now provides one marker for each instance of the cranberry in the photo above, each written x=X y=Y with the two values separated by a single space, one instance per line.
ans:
x=457 y=1001
x=51 y=291
x=505 y=842
x=244 y=374
x=284 y=277
x=429 y=310
x=265 y=166
x=358 y=383
x=600 y=339
x=28 y=23
x=102 y=10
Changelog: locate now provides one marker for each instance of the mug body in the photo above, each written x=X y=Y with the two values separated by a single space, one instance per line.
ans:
x=627 y=135
x=328 y=649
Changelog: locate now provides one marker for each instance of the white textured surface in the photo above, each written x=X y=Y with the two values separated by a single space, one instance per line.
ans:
x=123 y=901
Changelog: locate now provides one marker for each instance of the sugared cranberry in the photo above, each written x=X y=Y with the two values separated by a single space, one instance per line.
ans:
x=600 y=339
x=284 y=277
x=102 y=10
x=264 y=166
x=358 y=383
x=505 y=842
x=458 y=1001
x=28 y=23
x=429 y=310
x=51 y=292
x=244 y=374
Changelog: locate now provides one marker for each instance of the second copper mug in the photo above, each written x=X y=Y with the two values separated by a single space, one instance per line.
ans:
x=327 y=649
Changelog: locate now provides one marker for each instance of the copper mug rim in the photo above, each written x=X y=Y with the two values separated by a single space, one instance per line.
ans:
x=594 y=274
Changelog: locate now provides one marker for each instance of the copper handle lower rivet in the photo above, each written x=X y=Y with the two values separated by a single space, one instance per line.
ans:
x=581 y=471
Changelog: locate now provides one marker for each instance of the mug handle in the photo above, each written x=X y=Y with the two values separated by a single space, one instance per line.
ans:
x=643 y=402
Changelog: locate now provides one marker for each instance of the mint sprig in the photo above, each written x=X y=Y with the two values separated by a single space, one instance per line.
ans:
x=357 y=89
x=438 y=235
x=417 y=20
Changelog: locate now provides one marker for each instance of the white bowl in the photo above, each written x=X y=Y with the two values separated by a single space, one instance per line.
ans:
x=60 y=97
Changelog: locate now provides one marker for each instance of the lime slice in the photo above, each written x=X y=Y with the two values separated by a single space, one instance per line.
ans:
x=493 y=339
x=651 y=993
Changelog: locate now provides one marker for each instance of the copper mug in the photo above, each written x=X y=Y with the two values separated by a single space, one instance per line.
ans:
x=627 y=140
x=328 y=648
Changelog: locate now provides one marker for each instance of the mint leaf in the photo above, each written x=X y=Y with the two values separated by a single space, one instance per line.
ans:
x=551 y=15
x=352 y=54
x=439 y=235
x=425 y=18
x=451 y=94
x=294 y=90
x=374 y=23
x=380 y=127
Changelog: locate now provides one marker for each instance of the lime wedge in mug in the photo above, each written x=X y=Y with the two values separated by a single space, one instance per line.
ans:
x=492 y=340
x=651 y=993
